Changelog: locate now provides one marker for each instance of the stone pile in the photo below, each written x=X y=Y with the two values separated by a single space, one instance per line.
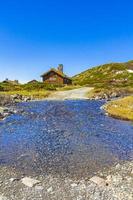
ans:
x=6 y=103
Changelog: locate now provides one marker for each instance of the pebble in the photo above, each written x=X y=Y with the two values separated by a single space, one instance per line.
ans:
x=39 y=187
x=74 y=185
x=50 y=189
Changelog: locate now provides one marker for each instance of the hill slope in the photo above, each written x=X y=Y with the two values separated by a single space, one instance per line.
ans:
x=109 y=80
x=115 y=74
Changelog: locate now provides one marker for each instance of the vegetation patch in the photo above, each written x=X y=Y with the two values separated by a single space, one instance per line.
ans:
x=34 y=90
x=121 y=108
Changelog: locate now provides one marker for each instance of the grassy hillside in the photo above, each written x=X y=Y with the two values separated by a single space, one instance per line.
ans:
x=113 y=73
x=107 y=78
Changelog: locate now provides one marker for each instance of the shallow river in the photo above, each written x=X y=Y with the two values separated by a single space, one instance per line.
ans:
x=67 y=138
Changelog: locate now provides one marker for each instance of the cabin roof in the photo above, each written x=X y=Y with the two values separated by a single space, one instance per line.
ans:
x=57 y=72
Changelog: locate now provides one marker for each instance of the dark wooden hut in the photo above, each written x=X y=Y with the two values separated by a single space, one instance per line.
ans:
x=56 y=76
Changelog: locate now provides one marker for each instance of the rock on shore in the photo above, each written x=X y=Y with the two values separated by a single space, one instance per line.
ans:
x=106 y=96
x=6 y=103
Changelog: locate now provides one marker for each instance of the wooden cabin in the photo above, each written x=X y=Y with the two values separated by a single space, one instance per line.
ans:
x=56 y=76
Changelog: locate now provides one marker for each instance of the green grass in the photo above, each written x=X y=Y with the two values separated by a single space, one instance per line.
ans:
x=121 y=108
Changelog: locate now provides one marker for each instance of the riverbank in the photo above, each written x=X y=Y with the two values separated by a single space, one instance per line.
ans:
x=120 y=108
x=114 y=184
x=8 y=102
x=110 y=93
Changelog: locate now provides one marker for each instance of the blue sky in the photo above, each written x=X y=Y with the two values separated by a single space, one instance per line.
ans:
x=37 y=35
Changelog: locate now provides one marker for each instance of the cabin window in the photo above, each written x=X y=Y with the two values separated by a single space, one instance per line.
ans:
x=52 y=79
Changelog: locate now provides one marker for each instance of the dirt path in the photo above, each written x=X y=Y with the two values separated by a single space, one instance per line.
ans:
x=80 y=93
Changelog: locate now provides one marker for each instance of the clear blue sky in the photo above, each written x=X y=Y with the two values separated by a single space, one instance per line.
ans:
x=36 y=35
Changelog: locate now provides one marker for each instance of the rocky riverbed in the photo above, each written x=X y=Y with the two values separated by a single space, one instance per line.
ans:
x=114 y=184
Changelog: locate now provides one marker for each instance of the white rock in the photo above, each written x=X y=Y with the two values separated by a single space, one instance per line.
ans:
x=29 y=181
x=99 y=181
x=74 y=185
x=130 y=70
x=119 y=72
x=50 y=189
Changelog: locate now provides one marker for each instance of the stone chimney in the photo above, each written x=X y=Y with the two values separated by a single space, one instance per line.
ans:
x=60 y=68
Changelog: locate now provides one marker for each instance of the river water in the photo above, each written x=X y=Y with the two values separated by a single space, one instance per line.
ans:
x=66 y=138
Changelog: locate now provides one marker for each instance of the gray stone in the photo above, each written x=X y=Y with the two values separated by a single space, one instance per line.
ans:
x=27 y=99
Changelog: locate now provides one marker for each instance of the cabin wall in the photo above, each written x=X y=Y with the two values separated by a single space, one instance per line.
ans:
x=53 y=78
